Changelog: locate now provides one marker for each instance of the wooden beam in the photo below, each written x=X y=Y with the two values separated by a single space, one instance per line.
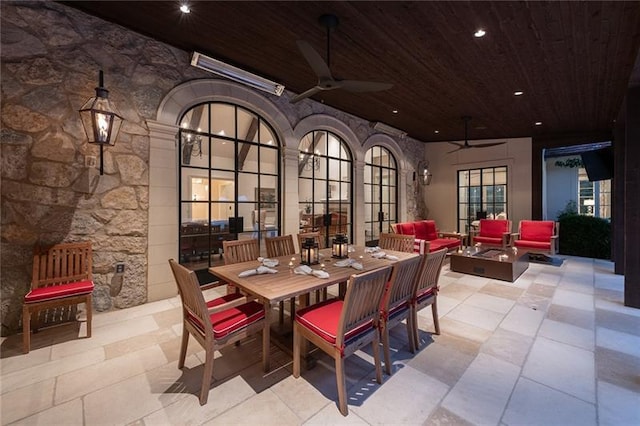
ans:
x=316 y=140
x=244 y=151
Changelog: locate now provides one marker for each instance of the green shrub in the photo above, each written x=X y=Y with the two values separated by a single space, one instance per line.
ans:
x=585 y=236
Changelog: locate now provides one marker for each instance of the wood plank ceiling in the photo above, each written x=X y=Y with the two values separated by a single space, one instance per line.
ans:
x=572 y=60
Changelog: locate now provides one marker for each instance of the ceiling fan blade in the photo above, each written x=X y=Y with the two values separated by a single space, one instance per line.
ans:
x=306 y=94
x=485 y=145
x=455 y=150
x=458 y=144
x=364 y=86
x=317 y=64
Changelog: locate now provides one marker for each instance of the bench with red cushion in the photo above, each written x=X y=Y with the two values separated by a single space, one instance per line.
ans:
x=428 y=239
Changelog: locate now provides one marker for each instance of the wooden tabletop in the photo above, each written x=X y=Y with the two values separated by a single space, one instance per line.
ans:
x=284 y=284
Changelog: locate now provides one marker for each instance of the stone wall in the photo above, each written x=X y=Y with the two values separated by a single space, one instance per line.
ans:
x=50 y=57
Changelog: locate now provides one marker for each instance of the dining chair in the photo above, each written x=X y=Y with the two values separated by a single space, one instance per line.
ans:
x=213 y=324
x=395 y=303
x=282 y=246
x=425 y=291
x=341 y=327
x=397 y=242
x=237 y=251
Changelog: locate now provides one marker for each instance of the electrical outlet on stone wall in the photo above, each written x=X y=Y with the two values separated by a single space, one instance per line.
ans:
x=89 y=160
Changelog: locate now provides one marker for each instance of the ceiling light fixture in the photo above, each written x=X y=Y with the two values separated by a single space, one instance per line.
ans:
x=436 y=131
x=238 y=75
x=479 y=33
x=518 y=93
x=538 y=123
x=395 y=111
x=184 y=8
x=385 y=128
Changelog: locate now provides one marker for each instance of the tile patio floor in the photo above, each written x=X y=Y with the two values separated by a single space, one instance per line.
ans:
x=557 y=347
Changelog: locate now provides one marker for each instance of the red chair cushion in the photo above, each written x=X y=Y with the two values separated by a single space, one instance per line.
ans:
x=323 y=318
x=440 y=243
x=533 y=244
x=426 y=229
x=59 y=291
x=424 y=295
x=536 y=230
x=405 y=228
x=493 y=228
x=488 y=240
x=233 y=319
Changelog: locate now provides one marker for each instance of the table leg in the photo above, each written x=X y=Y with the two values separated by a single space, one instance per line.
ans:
x=266 y=337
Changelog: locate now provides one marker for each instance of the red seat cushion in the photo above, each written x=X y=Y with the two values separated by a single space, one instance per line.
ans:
x=233 y=319
x=405 y=228
x=426 y=230
x=493 y=228
x=488 y=240
x=323 y=318
x=59 y=291
x=425 y=295
x=440 y=243
x=224 y=299
x=536 y=230
x=533 y=244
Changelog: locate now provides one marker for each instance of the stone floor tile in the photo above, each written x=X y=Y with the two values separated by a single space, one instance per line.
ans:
x=536 y=404
x=573 y=299
x=578 y=283
x=618 y=321
x=618 y=341
x=609 y=281
x=27 y=400
x=114 y=317
x=567 y=333
x=445 y=305
x=264 y=408
x=562 y=367
x=330 y=415
x=478 y=317
x=301 y=396
x=508 y=346
x=68 y=414
x=457 y=291
x=136 y=343
x=573 y=316
x=443 y=417
x=491 y=303
x=537 y=303
x=81 y=382
x=523 y=320
x=407 y=397
x=541 y=290
x=615 y=367
x=499 y=289
x=550 y=279
x=617 y=406
x=12 y=358
x=483 y=391
x=446 y=359
x=464 y=330
x=617 y=306
x=473 y=281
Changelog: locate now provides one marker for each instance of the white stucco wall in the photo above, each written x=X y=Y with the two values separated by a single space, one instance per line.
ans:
x=440 y=195
x=561 y=187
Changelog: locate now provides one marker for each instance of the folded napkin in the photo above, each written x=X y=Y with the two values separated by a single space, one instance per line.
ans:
x=320 y=274
x=392 y=257
x=349 y=262
x=371 y=249
x=379 y=254
x=302 y=270
x=258 y=271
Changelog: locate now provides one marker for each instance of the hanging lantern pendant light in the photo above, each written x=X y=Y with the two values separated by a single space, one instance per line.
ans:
x=101 y=119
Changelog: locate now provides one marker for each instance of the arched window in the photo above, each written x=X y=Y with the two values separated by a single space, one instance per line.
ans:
x=380 y=192
x=229 y=180
x=325 y=185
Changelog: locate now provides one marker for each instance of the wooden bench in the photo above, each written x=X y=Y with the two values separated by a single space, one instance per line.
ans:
x=61 y=277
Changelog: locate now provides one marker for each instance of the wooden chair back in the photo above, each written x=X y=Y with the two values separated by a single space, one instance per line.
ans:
x=280 y=246
x=361 y=304
x=397 y=242
x=193 y=304
x=237 y=251
x=429 y=272
x=61 y=264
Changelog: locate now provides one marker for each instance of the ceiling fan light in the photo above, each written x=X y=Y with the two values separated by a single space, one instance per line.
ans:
x=238 y=75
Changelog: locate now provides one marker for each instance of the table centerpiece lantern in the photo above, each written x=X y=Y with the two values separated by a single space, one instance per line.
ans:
x=339 y=246
x=309 y=252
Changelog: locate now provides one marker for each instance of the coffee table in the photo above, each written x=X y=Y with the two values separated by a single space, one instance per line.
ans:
x=506 y=265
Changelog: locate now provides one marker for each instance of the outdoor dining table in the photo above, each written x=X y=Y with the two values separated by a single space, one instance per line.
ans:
x=272 y=288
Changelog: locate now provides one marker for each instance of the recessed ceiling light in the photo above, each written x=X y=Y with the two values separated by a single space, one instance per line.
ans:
x=518 y=93
x=395 y=111
x=436 y=131
x=538 y=123
x=184 y=8
x=479 y=33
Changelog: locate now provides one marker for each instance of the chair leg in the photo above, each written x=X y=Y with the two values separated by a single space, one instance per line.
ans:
x=412 y=347
x=414 y=320
x=384 y=332
x=297 y=340
x=183 y=347
x=89 y=308
x=206 y=376
x=341 y=381
x=376 y=357
x=26 y=329
x=434 y=312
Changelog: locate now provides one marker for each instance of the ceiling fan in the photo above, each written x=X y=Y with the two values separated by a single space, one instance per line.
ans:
x=466 y=144
x=321 y=68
